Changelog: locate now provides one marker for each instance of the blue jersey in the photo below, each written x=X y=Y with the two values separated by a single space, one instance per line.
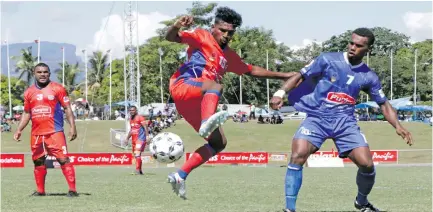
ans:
x=332 y=85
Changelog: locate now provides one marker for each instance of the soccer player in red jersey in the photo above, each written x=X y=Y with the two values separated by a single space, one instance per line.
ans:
x=43 y=104
x=139 y=133
x=195 y=87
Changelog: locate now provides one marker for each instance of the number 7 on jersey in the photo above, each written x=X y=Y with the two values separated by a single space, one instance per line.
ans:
x=350 y=80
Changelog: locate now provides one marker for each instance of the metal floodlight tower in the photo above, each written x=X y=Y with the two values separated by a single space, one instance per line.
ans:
x=130 y=26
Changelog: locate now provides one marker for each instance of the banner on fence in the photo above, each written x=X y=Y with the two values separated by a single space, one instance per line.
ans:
x=237 y=158
x=11 y=160
x=276 y=157
x=93 y=159
x=377 y=155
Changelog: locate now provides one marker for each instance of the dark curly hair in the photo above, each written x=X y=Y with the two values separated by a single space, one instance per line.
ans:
x=365 y=32
x=228 y=15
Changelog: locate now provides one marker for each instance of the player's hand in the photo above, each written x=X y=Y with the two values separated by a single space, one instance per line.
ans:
x=17 y=136
x=406 y=135
x=276 y=103
x=184 y=21
x=72 y=134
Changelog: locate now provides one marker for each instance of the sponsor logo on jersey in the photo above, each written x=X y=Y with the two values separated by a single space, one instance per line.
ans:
x=50 y=97
x=223 y=62
x=41 y=110
x=333 y=79
x=340 y=98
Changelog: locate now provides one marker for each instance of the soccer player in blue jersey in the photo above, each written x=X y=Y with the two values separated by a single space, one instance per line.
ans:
x=326 y=89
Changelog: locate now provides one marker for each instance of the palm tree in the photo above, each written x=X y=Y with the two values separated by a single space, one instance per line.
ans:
x=71 y=72
x=25 y=64
x=98 y=66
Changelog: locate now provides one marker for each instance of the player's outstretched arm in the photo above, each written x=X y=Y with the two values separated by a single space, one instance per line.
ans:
x=260 y=72
x=391 y=116
x=25 y=118
x=173 y=32
x=291 y=83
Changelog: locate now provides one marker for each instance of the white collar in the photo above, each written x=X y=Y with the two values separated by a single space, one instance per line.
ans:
x=348 y=63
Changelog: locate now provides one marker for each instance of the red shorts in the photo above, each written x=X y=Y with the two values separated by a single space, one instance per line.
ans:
x=138 y=145
x=53 y=144
x=187 y=96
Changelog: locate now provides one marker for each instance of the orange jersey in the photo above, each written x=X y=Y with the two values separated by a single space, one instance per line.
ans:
x=45 y=107
x=206 y=58
x=137 y=130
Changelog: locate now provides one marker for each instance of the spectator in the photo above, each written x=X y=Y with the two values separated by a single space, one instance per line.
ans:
x=253 y=112
x=151 y=112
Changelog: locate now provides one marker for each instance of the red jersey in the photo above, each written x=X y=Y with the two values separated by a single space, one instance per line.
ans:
x=137 y=130
x=206 y=58
x=45 y=107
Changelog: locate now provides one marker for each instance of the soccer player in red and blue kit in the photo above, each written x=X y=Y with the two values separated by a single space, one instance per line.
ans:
x=139 y=134
x=43 y=104
x=195 y=87
x=328 y=93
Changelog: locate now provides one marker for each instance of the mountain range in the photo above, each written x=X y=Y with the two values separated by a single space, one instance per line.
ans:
x=50 y=52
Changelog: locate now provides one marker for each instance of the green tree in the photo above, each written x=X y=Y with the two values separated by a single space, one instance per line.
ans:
x=71 y=73
x=24 y=65
x=202 y=14
x=149 y=66
x=424 y=69
x=98 y=66
x=385 y=41
x=17 y=91
x=252 y=43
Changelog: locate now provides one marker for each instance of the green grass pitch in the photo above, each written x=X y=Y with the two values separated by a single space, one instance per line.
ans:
x=223 y=188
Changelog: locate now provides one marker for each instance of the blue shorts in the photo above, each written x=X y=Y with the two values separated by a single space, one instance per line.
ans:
x=344 y=130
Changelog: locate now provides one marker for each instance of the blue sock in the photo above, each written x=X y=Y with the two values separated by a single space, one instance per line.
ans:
x=182 y=174
x=293 y=184
x=365 y=182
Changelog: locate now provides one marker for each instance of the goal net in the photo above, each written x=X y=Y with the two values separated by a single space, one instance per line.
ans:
x=118 y=137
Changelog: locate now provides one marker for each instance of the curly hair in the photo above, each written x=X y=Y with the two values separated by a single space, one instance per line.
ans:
x=365 y=32
x=228 y=15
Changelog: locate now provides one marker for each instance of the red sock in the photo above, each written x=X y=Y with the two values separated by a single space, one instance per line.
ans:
x=209 y=104
x=200 y=156
x=69 y=173
x=40 y=173
x=138 y=163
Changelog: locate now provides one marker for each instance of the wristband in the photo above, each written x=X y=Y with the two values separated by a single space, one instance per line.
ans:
x=280 y=93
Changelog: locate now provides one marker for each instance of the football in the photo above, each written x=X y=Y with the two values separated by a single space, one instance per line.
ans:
x=167 y=147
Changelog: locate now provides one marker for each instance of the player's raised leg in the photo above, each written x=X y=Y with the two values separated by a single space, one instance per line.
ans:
x=40 y=170
x=56 y=145
x=188 y=98
x=209 y=119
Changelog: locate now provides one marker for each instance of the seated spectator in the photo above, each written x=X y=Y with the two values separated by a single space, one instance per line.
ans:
x=261 y=120
x=279 y=120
